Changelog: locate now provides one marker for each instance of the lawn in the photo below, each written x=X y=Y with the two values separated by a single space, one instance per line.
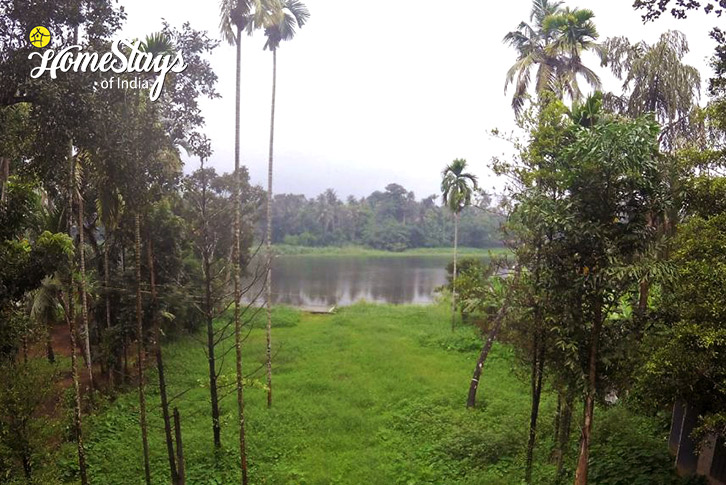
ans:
x=371 y=395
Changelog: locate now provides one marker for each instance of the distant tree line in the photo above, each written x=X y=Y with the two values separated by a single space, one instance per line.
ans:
x=391 y=220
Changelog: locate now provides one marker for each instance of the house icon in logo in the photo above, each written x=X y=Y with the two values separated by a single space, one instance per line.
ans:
x=39 y=36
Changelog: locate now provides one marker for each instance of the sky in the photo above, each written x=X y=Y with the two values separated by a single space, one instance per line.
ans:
x=382 y=91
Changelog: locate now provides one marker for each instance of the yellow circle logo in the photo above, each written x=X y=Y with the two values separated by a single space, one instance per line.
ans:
x=39 y=36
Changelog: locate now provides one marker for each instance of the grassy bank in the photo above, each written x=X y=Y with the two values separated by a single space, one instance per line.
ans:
x=287 y=250
x=373 y=394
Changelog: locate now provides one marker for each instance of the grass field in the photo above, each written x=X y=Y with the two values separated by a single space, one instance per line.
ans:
x=370 y=395
x=287 y=250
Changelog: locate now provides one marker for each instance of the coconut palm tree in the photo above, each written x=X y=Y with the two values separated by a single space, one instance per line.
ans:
x=236 y=16
x=279 y=27
x=552 y=44
x=457 y=189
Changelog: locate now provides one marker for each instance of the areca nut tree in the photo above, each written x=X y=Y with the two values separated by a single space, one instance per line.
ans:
x=457 y=189
x=280 y=27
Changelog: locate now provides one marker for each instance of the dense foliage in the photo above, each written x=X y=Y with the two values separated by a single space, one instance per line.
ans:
x=391 y=219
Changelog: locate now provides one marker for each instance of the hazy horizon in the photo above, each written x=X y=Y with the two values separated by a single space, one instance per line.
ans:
x=365 y=100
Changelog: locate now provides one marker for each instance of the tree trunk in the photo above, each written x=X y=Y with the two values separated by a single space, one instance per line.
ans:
x=582 y=462
x=4 y=176
x=179 y=448
x=236 y=270
x=563 y=433
x=107 y=285
x=160 y=365
x=27 y=466
x=140 y=351
x=471 y=400
x=538 y=354
x=85 y=332
x=209 y=315
x=453 y=276
x=50 y=354
x=268 y=282
x=643 y=297
x=70 y=314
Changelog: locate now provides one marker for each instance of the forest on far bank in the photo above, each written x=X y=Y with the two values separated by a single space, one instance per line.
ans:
x=391 y=219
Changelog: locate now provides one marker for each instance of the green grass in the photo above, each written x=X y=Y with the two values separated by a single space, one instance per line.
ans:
x=287 y=250
x=370 y=395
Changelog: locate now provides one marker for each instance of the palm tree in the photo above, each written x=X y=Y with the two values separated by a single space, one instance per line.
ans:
x=236 y=16
x=45 y=309
x=279 y=27
x=655 y=80
x=573 y=33
x=457 y=188
x=553 y=44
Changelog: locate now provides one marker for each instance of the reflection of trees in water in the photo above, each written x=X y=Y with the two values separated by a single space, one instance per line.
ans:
x=322 y=281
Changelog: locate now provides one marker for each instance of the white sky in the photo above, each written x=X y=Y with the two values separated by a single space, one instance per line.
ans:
x=382 y=91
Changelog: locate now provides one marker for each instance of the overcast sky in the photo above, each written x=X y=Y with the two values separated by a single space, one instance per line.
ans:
x=384 y=90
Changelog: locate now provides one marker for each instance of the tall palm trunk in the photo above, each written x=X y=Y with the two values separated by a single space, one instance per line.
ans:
x=70 y=319
x=582 y=462
x=453 y=276
x=140 y=351
x=85 y=332
x=268 y=283
x=160 y=366
x=236 y=268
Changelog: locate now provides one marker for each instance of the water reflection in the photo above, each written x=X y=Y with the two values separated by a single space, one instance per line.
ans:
x=327 y=281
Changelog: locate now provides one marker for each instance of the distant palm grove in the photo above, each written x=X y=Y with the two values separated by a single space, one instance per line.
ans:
x=391 y=219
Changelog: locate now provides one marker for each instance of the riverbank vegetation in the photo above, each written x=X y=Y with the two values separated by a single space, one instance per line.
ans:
x=389 y=220
x=289 y=250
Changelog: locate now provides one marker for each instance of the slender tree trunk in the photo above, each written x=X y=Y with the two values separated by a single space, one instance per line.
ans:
x=236 y=270
x=643 y=296
x=538 y=354
x=107 y=285
x=160 y=365
x=4 y=176
x=49 y=342
x=213 y=394
x=179 y=448
x=474 y=385
x=268 y=283
x=126 y=372
x=582 y=462
x=70 y=321
x=563 y=433
x=558 y=419
x=209 y=315
x=140 y=352
x=453 y=276
x=85 y=332
x=27 y=464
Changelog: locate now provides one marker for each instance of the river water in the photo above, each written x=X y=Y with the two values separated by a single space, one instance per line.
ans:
x=303 y=280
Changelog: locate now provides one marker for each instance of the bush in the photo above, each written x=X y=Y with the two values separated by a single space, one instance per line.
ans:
x=629 y=450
